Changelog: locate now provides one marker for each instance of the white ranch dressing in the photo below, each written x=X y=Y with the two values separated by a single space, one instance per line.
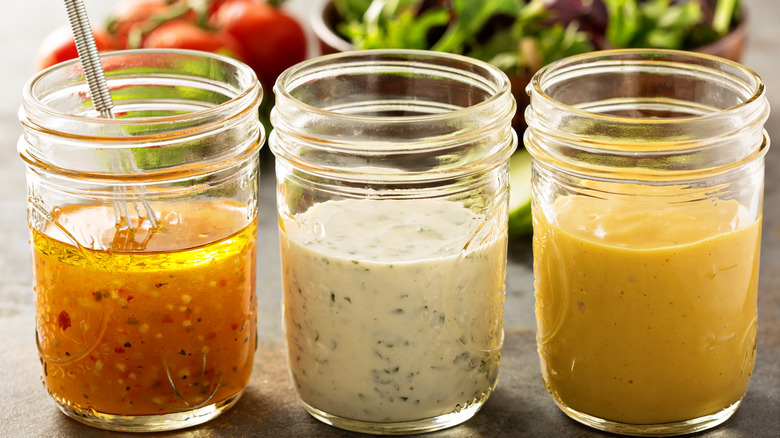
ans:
x=387 y=317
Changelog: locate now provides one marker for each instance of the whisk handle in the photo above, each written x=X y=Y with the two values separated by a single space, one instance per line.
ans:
x=88 y=54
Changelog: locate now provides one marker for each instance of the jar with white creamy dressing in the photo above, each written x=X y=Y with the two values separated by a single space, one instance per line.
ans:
x=392 y=193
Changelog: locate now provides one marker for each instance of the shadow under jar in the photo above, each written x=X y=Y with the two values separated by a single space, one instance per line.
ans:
x=648 y=184
x=143 y=235
x=392 y=198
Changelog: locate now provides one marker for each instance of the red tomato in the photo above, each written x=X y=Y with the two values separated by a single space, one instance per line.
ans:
x=272 y=40
x=214 y=5
x=181 y=34
x=59 y=46
x=131 y=10
x=133 y=16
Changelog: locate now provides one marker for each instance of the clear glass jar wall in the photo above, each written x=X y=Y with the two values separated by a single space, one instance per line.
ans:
x=143 y=232
x=648 y=185
x=392 y=198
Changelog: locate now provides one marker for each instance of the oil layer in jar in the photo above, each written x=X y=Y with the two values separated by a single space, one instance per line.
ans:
x=148 y=324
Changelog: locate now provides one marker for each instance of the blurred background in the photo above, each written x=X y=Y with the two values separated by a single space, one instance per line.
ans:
x=518 y=36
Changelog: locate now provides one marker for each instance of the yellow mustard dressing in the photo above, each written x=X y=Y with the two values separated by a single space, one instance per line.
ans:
x=646 y=311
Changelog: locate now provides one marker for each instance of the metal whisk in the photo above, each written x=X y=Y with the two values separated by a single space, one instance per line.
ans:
x=101 y=96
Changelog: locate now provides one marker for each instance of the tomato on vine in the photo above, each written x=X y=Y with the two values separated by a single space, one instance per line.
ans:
x=272 y=39
x=182 y=34
x=59 y=46
x=254 y=31
x=130 y=18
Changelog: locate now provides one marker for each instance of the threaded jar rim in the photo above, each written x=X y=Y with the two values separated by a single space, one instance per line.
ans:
x=164 y=99
x=342 y=118
x=693 y=113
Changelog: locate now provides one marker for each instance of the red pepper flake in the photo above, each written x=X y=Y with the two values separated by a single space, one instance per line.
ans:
x=130 y=298
x=119 y=350
x=63 y=320
x=234 y=326
x=167 y=319
x=211 y=335
x=223 y=282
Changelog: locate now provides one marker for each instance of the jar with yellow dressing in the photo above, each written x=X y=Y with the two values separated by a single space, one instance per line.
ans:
x=648 y=184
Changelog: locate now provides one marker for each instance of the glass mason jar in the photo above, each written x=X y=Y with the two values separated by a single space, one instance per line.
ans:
x=143 y=232
x=648 y=184
x=392 y=171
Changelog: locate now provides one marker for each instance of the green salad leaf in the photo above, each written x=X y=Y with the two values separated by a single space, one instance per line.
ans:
x=653 y=23
x=519 y=36
x=393 y=24
x=515 y=35
x=520 y=195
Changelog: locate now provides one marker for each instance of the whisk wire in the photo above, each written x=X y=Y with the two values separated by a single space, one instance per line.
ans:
x=101 y=99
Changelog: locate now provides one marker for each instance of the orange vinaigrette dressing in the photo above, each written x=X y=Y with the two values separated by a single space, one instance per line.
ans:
x=153 y=332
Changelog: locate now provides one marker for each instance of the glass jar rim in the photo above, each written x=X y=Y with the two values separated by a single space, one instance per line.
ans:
x=32 y=103
x=647 y=114
x=620 y=56
x=184 y=100
x=372 y=115
x=309 y=68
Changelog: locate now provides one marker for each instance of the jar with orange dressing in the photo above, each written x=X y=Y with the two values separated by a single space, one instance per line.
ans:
x=143 y=236
x=648 y=185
